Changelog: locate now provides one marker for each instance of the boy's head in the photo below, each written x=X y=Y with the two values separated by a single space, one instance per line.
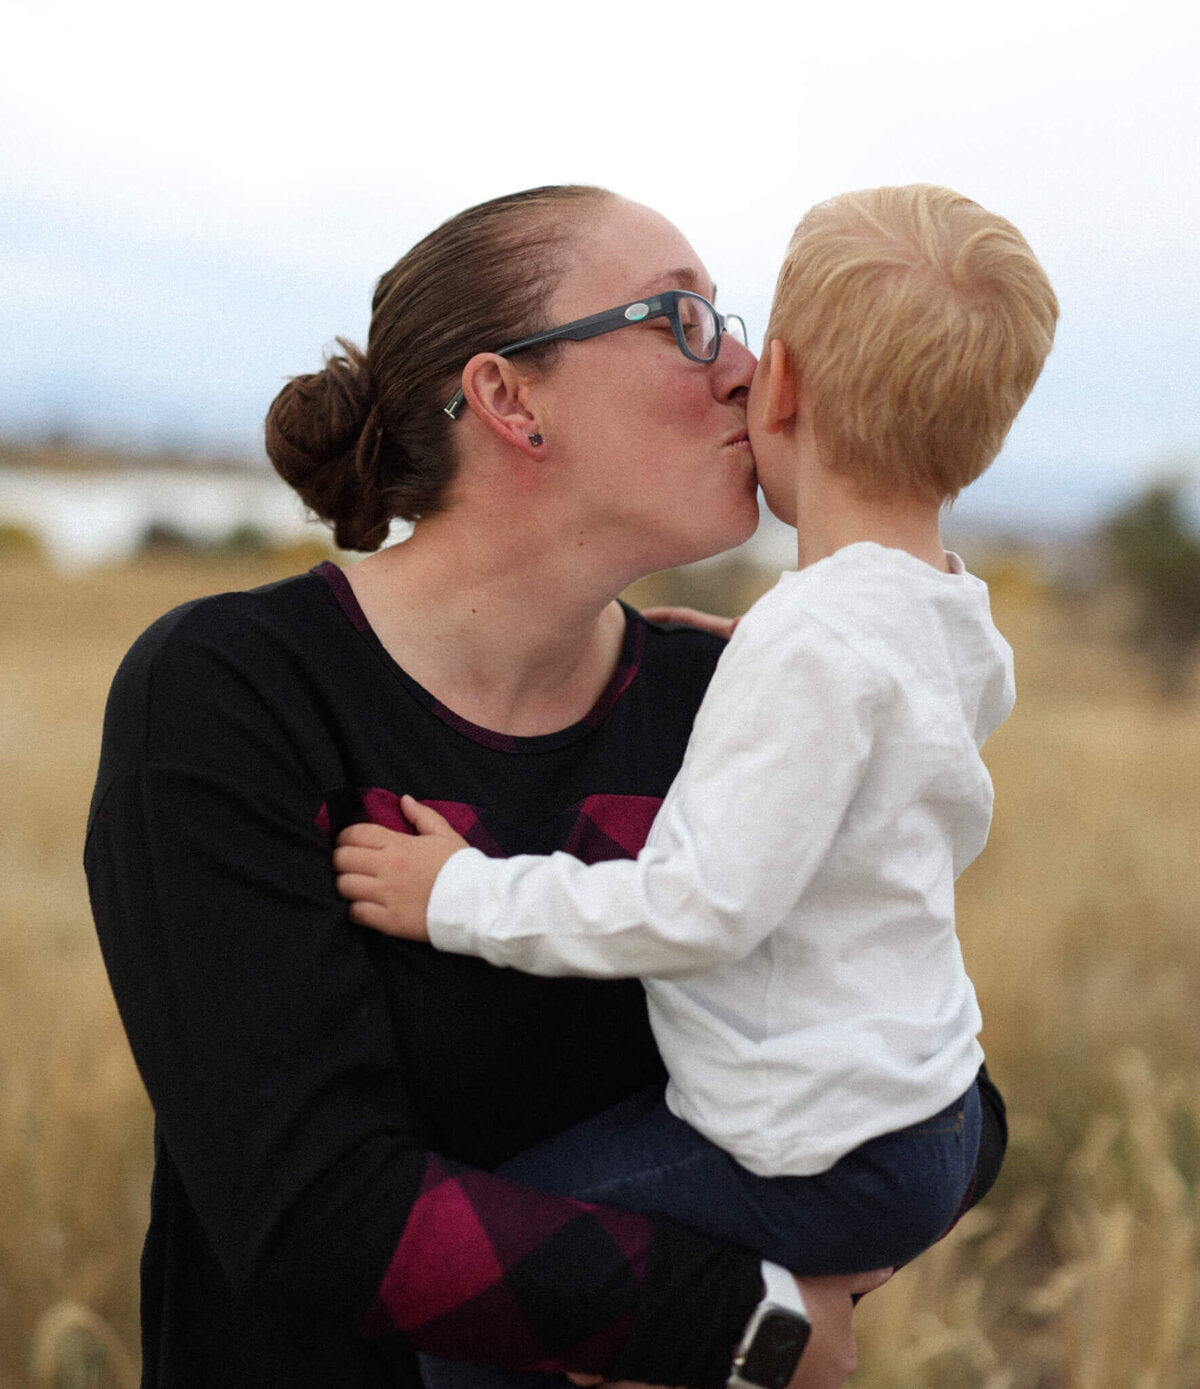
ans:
x=916 y=324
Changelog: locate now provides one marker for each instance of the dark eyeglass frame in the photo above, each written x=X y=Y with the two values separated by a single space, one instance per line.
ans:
x=664 y=305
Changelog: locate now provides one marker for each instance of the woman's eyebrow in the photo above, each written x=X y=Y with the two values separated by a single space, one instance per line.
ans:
x=685 y=277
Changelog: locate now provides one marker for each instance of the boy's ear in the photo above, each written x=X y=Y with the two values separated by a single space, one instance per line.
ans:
x=498 y=397
x=779 y=404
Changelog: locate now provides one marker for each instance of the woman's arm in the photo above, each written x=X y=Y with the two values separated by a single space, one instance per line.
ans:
x=263 y=1034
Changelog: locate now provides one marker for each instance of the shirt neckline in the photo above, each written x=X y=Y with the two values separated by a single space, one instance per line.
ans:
x=622 y=677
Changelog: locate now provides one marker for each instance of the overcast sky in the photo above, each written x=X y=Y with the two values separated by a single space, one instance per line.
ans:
x=197 y=200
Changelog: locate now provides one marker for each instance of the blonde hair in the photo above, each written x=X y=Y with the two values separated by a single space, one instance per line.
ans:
x=917 y=323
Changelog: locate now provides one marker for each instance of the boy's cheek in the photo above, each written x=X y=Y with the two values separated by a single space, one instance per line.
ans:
x=775 y=463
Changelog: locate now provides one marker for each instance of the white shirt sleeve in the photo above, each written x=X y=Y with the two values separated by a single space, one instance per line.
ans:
x=779 y=748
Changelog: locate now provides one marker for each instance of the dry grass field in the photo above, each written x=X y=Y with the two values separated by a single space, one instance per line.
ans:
x=1083 y=1268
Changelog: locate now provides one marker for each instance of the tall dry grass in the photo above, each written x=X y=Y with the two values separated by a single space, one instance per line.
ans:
x=74 y=1125
x=1082 y=1269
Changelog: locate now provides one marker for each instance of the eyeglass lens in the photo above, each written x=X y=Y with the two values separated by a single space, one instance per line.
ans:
x=699 y=325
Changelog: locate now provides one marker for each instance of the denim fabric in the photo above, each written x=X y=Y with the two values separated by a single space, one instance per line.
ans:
x=879 y=1207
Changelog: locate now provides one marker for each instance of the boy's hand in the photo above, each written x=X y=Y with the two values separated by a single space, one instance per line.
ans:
x=388 y=877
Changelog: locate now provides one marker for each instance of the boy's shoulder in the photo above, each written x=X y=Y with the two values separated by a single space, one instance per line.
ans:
x=865 y=599
x=867 y=576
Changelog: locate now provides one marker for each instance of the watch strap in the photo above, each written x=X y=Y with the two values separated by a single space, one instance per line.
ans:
x=775 y=1335
x=781 y=1289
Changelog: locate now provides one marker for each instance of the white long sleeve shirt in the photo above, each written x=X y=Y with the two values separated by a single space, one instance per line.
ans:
x=792 y=912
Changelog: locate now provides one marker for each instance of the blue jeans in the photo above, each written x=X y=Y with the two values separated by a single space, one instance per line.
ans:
x=878 y=1207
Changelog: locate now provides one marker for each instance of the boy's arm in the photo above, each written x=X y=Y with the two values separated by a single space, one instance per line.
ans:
x=777 y=754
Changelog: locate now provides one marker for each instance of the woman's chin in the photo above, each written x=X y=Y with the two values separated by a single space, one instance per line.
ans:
x=729 y=538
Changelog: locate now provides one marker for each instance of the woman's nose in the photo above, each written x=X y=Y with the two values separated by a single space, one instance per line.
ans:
x=734 y=368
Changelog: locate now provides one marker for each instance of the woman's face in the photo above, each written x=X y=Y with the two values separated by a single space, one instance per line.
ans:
x=656 y=446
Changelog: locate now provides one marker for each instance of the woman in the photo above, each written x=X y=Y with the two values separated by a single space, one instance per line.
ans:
x=328 y=1104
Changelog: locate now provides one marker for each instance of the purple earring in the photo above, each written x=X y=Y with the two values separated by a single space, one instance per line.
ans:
x=536 y=440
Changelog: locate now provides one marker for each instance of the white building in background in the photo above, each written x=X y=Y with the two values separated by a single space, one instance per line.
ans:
x=82 y=517
x=98 y=515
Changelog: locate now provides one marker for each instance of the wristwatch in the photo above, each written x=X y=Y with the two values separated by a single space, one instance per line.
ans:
x=775 y=1336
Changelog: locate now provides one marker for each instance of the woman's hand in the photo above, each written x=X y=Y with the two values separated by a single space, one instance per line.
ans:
x=831 y=1355
x=692 y=617
x=388 y=877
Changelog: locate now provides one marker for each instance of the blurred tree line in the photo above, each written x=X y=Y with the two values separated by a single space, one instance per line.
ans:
x=1155 y=551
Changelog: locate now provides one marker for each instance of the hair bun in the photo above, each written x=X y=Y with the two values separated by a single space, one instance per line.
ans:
x=322 y=437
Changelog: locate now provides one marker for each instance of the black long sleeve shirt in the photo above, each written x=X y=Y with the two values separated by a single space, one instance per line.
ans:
x=329 y=1101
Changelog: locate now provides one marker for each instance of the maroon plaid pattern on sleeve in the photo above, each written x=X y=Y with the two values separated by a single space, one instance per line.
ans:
x=477 y=1275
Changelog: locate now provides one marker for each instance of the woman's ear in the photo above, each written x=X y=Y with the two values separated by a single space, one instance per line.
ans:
x=499 y=398
x=779 y=402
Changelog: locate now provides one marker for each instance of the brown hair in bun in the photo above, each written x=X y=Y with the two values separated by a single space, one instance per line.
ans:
x=366 y=439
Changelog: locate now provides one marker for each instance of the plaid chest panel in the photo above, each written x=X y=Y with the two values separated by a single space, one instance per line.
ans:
x=594 y=830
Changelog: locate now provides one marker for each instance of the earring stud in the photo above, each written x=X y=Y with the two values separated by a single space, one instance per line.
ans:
x=536 y=440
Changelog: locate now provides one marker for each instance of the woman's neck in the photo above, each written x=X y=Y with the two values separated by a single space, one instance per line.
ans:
x=507 y=634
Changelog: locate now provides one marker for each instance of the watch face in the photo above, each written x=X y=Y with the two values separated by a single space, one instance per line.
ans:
x=778 y=1344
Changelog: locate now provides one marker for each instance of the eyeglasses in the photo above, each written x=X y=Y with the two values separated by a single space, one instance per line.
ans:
x=697 y=327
